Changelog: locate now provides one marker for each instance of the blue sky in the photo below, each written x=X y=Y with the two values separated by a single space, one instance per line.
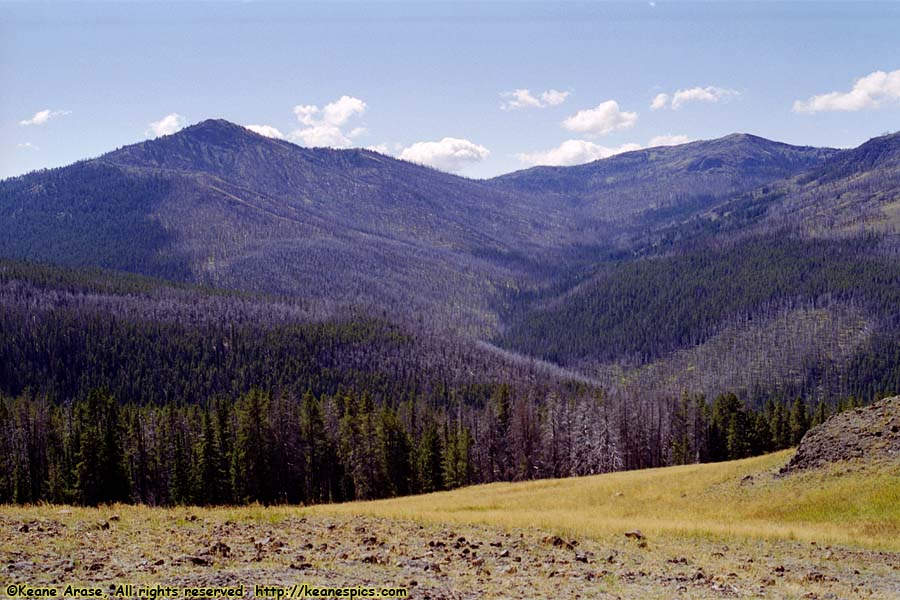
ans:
x=426 y=81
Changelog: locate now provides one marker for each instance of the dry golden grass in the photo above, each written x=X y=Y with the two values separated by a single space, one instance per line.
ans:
x=851 y=505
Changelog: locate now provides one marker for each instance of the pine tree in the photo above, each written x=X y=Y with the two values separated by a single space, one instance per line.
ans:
x=319 y=466
x=821 y=414
x=100 y=472
x=429 y=461
x=359 y=449
x=249 y=460
x=799 y=421
x=456 y=467
x=680 y=445
x=394 y=452
x=209 y=464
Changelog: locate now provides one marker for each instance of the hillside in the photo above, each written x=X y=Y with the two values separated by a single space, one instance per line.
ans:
x=642 y=311
x=219 y=204
x=669 y=181
x=856 y=190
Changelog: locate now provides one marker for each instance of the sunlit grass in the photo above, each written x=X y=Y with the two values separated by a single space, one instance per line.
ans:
x=857 y=506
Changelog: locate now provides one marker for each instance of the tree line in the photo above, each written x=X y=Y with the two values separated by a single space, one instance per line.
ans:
x=277 y=448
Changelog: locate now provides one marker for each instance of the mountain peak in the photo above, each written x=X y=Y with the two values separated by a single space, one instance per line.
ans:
x=211 y=145
x=215 y=129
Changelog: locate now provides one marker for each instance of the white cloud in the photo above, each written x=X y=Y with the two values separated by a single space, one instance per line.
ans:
x=27 y=146
x=379 y=148
x=554 y=97
x=668 y=140
x=604 y=119
x=574 y=152
x=872 y=91
x=168 y=125
x=659 y=101
x=341 y=110
x=449 y=154
x=325 y=126
x=578 y=152
x=266 y=130
x=522 y=98
x=42 y=116
x=679 y=98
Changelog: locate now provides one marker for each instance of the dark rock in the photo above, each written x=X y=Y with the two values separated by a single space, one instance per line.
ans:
x=220 y=549
x=872 y=432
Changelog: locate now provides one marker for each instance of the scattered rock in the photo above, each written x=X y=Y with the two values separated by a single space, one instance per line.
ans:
x=220 y=549
x=558 y=542
x=22 y=565
x=634 y=534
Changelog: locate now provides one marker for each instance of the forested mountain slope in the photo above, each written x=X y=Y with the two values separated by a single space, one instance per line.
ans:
x=668 y=180
x=644 y=311
x=219 y=204
x=632 y=262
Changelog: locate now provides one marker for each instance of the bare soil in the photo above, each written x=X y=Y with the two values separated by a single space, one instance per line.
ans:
x=222 y=548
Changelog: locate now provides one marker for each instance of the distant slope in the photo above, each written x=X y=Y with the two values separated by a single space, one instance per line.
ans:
x=856 y=190
x=642 y=311
x=669 y=180
x=219 y=204
x=90 y=214
x=625 y=260
x=65 y=332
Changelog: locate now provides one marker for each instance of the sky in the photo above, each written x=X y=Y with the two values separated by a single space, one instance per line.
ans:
x=478 y=88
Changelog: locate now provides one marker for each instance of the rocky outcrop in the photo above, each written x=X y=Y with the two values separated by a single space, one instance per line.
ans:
x=870 y=433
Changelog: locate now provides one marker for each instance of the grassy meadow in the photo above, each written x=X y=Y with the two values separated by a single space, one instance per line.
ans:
x=856 y=505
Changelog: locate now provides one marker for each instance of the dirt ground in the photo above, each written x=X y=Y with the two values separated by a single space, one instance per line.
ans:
x=52 y=546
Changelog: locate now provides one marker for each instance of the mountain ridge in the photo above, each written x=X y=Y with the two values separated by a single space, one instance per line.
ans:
x=221 y=205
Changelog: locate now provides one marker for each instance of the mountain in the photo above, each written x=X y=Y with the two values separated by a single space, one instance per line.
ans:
x=668 y=179
x=627 y=260
x=858 y=189
x=218 y=204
